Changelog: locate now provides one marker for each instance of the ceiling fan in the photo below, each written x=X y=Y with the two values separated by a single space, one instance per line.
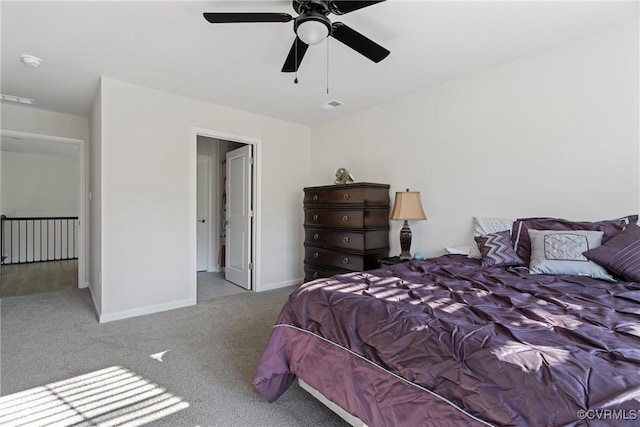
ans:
x=312 y=27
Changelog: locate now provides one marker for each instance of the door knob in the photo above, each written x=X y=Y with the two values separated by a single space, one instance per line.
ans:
x=201 y=220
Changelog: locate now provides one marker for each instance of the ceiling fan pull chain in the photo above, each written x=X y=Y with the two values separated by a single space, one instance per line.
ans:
x=327 y=65
x=296 y=59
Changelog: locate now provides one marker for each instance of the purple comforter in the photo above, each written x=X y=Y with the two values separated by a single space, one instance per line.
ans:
x=447 y=342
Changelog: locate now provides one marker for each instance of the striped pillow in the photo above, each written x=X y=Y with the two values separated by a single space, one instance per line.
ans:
x=497 y=250
x=620 y=254
x=486 y=225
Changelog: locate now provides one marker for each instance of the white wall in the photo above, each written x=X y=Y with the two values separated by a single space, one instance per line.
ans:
x=39 y=184
x=29 y=119
x=148 y=167
x=95 y=212
x=552 y=135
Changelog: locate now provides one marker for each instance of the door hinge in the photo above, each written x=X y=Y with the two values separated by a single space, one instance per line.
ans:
x=250 y=160
x=250 y=266
x=251 y=213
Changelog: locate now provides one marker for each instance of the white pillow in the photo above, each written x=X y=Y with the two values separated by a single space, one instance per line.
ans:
x=458 y=250
x=487 y=225
x=560 y=252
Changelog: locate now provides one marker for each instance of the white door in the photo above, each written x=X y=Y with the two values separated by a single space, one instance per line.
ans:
x=238 y=217
x=203 y=190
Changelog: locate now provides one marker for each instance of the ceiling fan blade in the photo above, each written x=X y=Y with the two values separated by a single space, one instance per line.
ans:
x=227 y=18
x=292 y=63
x=358 y=42
x=340 y=7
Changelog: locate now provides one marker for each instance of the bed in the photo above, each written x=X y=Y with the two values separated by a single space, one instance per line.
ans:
x=451 y=342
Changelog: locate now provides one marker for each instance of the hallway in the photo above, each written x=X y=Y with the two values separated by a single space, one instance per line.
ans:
x=23 y=279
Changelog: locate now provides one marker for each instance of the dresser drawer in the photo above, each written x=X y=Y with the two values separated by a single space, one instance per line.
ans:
x=313 y=272
x=343 y=218
x=345 y=239
x=333 y=259
x=349 y=194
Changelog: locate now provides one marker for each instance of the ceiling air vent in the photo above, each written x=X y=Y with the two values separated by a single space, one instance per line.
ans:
x=330 y=105
x=12 y=98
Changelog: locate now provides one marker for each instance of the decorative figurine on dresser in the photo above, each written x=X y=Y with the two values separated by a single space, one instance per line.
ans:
x=343 y=176
x=346 y=228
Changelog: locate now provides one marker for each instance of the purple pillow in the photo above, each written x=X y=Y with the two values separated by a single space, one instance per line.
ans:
x=497 y=250
x=521 y=227
x=621 y=253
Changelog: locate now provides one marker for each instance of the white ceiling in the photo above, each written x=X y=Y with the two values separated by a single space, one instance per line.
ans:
x=169 y=46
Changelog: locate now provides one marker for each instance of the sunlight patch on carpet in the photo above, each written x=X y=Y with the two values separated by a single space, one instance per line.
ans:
x=113 y=396
x=158 y=356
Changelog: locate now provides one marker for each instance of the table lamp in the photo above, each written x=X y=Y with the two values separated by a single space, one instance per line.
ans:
x=407 y=207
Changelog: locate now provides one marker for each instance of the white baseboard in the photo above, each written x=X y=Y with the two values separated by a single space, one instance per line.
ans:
x=119 y=315
x=278 y=285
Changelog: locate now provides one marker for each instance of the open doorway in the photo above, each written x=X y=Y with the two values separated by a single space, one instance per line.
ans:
x=225 y=214
x=42 y=211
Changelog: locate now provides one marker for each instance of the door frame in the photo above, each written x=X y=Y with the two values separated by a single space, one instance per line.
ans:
x=256 y=183
x=82 y=198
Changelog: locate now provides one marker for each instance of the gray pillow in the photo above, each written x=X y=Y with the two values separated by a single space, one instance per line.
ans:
x=560 y=252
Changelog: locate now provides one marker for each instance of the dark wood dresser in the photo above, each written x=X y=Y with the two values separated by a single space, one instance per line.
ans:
x=346 y=228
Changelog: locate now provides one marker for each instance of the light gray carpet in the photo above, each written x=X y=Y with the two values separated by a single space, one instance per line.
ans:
x=213 y=285
x=212 y=352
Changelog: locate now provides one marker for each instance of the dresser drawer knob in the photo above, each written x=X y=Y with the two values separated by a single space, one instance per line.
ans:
x=346 y=260
x=345 y=218
x=315 y=198
x=316 y=236
x=315 y=274
x=315 y=217
x=346 y=196
x=345 y=239
x=316 y=254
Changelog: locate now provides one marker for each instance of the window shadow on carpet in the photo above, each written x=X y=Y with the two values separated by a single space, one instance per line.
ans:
x=113 y=396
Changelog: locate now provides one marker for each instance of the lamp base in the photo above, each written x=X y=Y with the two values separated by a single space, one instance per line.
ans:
x=405 y=241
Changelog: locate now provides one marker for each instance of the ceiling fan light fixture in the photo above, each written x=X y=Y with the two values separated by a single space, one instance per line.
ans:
x=313 y=28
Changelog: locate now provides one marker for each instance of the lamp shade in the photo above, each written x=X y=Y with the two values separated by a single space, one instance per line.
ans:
x=408 y=206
